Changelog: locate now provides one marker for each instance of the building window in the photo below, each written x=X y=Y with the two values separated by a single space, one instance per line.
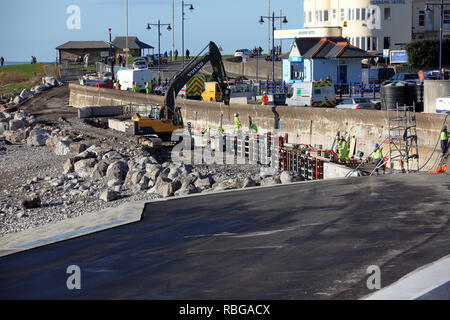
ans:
x=349 y=16
x=368 y=43
x=342 y=14
x=387 y=13
x=334 y=14
x=326 y=15
x=310 y=16
x=363 y=43
x=446 y=19
x=363 y=14
x=317 y=16
x=387 y=43
x=357 y=42
x=358 y=14
x=422 y=18
x=374 y=44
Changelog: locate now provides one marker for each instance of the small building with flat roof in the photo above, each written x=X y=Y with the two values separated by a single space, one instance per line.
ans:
x=136 y=47
x=74 y=51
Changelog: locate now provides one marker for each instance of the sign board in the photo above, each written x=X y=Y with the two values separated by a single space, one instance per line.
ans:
x=386 y=53
x=308 y=33
x=104 y=54
x=399 y=56
x=244 y=58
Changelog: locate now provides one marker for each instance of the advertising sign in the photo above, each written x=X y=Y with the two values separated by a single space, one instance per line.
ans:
x=399 y=56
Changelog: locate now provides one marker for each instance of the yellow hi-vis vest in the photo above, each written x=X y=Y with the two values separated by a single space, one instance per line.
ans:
x=237 y=124
x=444 y=135
x=378 y=154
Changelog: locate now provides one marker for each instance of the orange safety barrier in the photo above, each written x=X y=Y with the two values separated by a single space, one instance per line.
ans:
x=440 y=170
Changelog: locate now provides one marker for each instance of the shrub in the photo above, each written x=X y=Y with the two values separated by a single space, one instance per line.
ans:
x=425 y=53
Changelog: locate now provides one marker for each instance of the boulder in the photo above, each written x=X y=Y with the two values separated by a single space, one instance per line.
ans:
x=226 y=185
x=77 y=148
x=17 y=100
x=62 y=148
x=108 y=196
x=100 y=170
x=166 y=187
x=267 y=172
x=32 y=203
x=286 y=177
x=84 y=168
x=249 y=183
x=186 y=190
x=26 y=94
x=68 y=166
x=15 y=125
x=117 y=170
x=4 y=126
x=114 y=182
x=270 y=181
x=37 y=138
x=204 y=183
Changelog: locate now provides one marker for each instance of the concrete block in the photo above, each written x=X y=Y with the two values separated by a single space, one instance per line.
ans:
x=117 y=125
x=333 y=171
x=100 y=111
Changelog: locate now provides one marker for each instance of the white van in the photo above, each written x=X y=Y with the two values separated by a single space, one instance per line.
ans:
x=312 y=94
x=140 y=77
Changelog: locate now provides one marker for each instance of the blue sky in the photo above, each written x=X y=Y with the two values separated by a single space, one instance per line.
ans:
x=29 y=27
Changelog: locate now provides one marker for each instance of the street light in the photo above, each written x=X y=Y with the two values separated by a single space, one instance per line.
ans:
x=169 y=28
x=428 y=10
x=191 y=8
x=273 y=18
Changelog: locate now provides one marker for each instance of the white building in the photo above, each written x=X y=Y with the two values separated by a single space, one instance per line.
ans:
x=374 y=25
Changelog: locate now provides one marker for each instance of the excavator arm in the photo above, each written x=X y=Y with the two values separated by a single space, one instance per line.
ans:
x=181 y=79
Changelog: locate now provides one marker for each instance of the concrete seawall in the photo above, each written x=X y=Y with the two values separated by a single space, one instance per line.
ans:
x=303 y=125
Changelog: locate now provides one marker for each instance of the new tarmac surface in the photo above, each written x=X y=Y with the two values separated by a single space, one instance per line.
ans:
x=300 y=241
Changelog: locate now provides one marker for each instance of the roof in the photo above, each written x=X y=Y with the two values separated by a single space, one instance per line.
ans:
x=84 y=45
x=133 y=43
x=322 y=48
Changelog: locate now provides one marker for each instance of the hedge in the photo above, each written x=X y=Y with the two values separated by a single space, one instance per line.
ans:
x=425 y=53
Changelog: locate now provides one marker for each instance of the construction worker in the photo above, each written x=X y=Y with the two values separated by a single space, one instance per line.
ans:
x=252 y=126
x=444 y=140
x=264 y=99
x=135 y=87
x=148 y=88
x=237 y=122
x=220 y=130
x=118 y=86
x=207 y=131
x=377 y=156
x=343 y=150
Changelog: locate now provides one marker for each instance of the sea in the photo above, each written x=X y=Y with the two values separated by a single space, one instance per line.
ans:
x=13 y=63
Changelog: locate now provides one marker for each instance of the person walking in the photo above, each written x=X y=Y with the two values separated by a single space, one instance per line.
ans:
x=444 y=140
x=377 y=156
x=187 y=54
x=342 y=146
x=237 y=122
x=264 y=99
x=2 y=61
x=176 y=54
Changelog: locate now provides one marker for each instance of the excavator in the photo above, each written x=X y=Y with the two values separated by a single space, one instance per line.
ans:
x=163 y=120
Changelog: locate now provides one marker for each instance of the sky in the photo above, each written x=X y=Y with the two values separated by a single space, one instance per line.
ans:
x=35 y=28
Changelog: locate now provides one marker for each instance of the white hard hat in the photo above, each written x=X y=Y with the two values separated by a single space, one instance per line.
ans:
x=236 y=114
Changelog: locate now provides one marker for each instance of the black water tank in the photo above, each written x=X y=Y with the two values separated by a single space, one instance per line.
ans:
x=398 y=94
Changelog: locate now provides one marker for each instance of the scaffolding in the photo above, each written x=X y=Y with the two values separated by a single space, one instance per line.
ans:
x=403 y=148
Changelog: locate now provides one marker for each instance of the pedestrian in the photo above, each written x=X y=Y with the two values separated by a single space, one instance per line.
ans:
x=377 y=156
x=445 y=75
x=237 y=122
x=135 y=87
x=176 y=54
x=165 y=54
x=148 y=88
x=118 y=86
x=343 y=150
x=328 y=78
x=444 y=140
x=120 y=60
x=187 y=54
x=2 y=61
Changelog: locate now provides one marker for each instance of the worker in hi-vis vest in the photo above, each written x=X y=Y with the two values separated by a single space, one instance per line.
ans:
x=377 y=156
x=148 y=88
x=237 y=122
x=135 y=87
x=252 y=126
x=264 y=99
x=444 y=140
x=343 y=151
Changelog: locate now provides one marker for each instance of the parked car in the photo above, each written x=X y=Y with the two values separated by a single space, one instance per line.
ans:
x=163 y=60
x=377 y=75
x=140 y=64
x=409 y=77
x=357 y=103
x=434 y=75
x=138 y=76
x=241 y=52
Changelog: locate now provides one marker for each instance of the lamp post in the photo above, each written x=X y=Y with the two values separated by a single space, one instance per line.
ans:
x=169 y=28
x=428 y=10
x=110 y=48
x=273 y=18
x=191 y=8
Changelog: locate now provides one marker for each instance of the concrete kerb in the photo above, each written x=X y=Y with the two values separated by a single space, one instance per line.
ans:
x=91 y=223
x=431 y=281
x=71 y=228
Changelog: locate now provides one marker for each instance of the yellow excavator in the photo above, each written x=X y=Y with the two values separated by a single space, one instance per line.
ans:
x=164 y=120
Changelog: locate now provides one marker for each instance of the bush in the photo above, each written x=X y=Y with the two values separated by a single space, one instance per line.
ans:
x=425 y=53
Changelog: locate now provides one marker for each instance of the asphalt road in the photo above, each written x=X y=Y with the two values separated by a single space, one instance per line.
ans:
x=302 y=241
